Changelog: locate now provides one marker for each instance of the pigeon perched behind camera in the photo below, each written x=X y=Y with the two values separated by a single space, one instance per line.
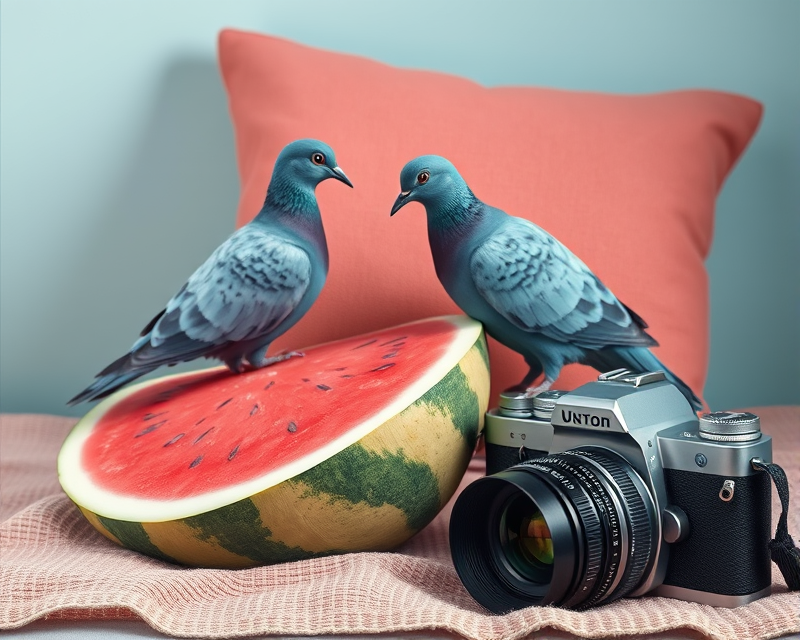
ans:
x=254 y=287
x=531 y=293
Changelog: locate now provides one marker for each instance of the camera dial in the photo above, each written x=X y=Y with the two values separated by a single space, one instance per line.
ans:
x=515 y=404
x=730 y=426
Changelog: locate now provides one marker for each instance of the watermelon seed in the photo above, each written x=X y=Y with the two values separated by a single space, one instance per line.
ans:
x=254 y=409
x=306 y=379
x=324 y=387
x=202 y=435
x=340 y=368
x=393 y=341
x=168 y=393
x=383 y=367
x=346 y=375
x=150 y=416
x=269 y=385
x=364 y=345
x=224 y=403
x=199 y=421
x=389 y=355
x=195 y=462
x=174 y=440
x=292 y=427
x=152 y=427
x=233 y=453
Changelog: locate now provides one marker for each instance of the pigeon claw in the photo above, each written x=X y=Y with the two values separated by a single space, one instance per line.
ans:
x=280 y=358
x=530 y=392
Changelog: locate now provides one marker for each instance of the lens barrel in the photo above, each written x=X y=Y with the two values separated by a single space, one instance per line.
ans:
x=573 y=529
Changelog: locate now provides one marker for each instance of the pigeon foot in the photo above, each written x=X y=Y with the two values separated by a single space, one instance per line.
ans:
x=236 y=365
x=532 y=391
x=266 y=362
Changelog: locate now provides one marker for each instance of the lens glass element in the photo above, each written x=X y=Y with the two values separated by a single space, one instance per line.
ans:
x=525 y=539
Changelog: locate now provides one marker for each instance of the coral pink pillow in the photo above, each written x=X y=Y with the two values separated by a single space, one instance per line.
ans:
x=628 y=182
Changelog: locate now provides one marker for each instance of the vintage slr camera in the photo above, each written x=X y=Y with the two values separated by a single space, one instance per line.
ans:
x=621 y=491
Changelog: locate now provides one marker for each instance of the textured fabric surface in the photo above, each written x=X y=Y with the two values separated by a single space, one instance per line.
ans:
x=627 y=182
x=54 y=564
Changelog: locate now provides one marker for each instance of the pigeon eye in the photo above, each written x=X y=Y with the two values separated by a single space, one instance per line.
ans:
x=423 y=177
x=318 y=158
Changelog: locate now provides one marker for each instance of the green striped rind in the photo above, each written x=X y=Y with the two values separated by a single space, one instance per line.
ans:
x=454 y=396
x=133 y=536
x=373 y=495
x=238 y=528
x=358 y=475
x=483 y=348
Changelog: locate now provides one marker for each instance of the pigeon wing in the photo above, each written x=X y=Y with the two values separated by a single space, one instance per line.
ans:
x=538 y=285
x=243 y=291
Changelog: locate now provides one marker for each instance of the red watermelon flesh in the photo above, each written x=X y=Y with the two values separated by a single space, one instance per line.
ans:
x=217 y=437
x=258 y=421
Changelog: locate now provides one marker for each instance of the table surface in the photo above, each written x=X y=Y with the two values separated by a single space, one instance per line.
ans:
x=424 y=598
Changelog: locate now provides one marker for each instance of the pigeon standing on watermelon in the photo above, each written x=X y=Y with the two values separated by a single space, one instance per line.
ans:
x=531 y=293
x=253 y=288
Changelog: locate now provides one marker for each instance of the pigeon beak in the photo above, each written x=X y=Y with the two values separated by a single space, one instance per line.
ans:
x=402 y=199
x=339 y=175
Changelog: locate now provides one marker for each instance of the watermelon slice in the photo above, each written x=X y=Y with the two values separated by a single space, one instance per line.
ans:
x=354 y=447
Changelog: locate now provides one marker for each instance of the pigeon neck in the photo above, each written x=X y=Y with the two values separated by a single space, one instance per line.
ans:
x=455 y=215
x=293 y=206
x=289 y=198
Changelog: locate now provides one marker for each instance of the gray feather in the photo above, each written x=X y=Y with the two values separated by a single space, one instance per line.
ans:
x=248 y=286
x=538 y=285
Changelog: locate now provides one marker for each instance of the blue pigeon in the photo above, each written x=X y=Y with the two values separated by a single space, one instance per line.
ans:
x=254 y=287
x=531 y=293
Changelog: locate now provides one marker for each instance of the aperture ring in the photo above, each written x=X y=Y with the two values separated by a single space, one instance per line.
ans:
x=588 y=517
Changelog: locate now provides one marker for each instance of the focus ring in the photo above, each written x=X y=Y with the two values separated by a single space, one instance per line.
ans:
x=641 y=532
x=615 y=530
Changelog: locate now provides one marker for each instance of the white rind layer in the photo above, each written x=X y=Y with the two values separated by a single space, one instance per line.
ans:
x=79 y=486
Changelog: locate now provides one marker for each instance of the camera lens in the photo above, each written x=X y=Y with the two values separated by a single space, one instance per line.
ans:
x=525 y=539
x=572 y=529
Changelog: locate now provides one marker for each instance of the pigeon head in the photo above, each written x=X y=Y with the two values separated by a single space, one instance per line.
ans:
x=308 y=162
x=434 y=182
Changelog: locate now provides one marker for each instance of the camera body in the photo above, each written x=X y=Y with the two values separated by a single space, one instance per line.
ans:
x=672 y=501
x=518 y=429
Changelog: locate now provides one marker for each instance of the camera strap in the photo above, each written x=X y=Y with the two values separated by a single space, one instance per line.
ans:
x=782 y=549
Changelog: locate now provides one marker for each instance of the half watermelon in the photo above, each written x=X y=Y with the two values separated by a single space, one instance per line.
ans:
x=354 y=447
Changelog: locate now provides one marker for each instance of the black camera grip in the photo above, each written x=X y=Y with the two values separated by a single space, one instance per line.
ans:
x=782 y=549
x=500 y=457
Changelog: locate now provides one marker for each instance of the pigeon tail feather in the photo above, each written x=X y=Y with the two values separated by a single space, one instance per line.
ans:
x=142 y=359
x=107 y=384
x=638 y=359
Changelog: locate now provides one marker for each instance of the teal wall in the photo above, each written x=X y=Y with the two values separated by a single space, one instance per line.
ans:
x=118 y=169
